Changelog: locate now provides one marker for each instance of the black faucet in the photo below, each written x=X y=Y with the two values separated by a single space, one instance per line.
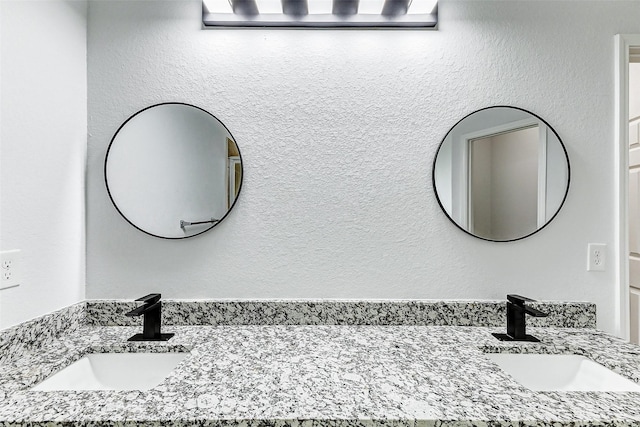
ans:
x=151 y=310
x=516 y=319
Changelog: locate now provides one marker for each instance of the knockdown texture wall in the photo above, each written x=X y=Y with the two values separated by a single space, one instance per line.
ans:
x=338 y=131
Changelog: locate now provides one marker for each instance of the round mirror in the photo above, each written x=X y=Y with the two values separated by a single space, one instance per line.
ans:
x=173 y=170
x=501 y=174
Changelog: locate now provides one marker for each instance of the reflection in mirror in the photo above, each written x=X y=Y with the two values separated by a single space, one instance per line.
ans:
x=173 y=170
x=501 y=174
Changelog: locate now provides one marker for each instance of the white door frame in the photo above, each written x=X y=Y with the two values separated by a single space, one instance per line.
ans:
x=543 y=136
x=231 y=174
x=622 y=44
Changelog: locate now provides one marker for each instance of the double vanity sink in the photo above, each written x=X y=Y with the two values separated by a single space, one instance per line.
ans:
x=292 y=375
x=142 y=371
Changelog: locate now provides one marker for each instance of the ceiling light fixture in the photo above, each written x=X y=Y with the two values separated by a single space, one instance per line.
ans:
x=320 y=13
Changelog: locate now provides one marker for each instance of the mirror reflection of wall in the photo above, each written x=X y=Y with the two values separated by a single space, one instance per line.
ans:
x=501 y=174
x=173 y=170
x=503 y=184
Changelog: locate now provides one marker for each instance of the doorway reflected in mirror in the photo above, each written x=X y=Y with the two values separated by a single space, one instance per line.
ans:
x=501 y=174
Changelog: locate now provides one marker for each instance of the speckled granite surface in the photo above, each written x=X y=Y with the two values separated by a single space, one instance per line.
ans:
x=39 y=332
x=324 y=375
x=342 y=312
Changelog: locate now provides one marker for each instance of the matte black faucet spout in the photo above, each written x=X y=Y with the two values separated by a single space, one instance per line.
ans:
x=151 y=311
x=516 y=319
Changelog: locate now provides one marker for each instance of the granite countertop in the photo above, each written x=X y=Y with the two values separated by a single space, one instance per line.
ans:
x=300 y=375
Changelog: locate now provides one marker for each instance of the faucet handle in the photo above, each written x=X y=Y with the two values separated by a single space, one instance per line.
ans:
x=516 y=319
x=149 y=299
x=518 y=299
x=535 y=312
x=152 y=319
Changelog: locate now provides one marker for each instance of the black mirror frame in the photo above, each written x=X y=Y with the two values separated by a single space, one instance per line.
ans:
x=564 y=149
x=106 y=158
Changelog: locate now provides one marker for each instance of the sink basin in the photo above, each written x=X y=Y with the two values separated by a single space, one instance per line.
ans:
x=113 y=371
x=561 y=372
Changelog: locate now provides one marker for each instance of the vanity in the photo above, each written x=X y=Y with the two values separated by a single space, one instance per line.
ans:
x=322 y=362
x=319 y=362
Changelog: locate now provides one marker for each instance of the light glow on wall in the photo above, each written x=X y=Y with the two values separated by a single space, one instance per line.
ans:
x=320 y=13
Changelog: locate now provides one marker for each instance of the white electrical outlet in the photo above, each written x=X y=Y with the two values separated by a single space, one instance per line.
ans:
x=597 y=257
x=10 y=271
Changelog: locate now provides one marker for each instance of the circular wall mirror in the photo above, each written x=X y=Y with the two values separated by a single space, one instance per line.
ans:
x=501 y=174
x=173 y=170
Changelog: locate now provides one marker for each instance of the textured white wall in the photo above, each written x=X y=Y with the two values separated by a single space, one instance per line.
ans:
x=338 y=130
x=43 y=131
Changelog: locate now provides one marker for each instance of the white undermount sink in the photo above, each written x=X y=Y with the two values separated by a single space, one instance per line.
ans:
x=561 y=372
x=113 y=371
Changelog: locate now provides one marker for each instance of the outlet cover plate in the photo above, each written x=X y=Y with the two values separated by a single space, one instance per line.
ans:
x=10 y=269
x=597 y=257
